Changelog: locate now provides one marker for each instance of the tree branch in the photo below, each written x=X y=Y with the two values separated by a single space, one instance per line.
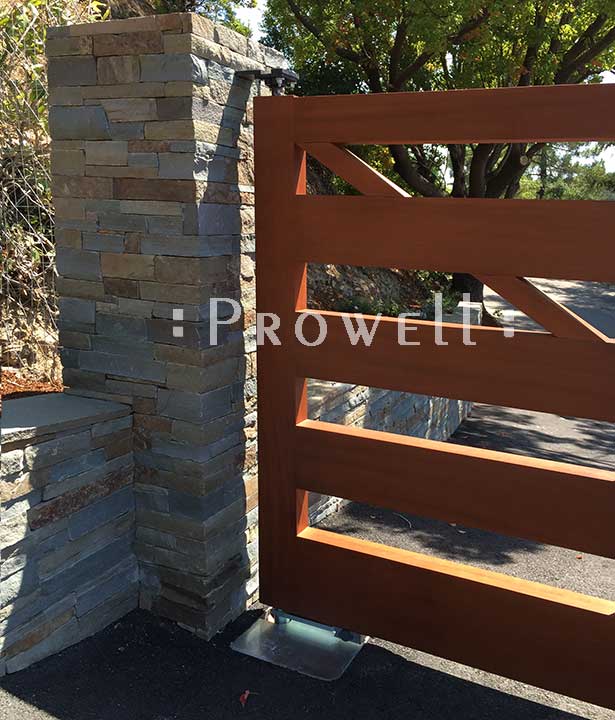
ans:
x=406 y=169
x=531 y=52
x=310 y=26
x=570 y=62
x=580 y=64
x=458 y=158
x=402 y=77
x=396 y=50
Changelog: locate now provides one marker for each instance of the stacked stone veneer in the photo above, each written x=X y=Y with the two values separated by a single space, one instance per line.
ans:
x=149 y=458
x=152 y=184
x=67 y=524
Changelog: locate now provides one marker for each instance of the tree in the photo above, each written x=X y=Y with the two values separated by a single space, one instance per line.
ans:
x=396 y=46
x=564 y=173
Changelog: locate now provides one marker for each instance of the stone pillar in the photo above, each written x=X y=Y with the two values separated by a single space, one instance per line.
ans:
x=152 y=184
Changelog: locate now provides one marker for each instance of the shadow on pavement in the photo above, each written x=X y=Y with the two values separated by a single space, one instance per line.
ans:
x=145 y=669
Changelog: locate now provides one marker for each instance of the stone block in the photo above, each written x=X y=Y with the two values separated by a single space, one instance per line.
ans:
x=179 y=294
x=167 y=68
x=78 y=264
x=109 y=612
x=111 y=152
x=231 y=39
x=68 y=162
x=123 y=90
x=76 y=575
x=117 y=580
x=218 y=219
x=81 y=187
x=105 y=242
x=87 y=123
x=129 y=109
x=122 y=221
x=124 y=387
x=54 y=451
x=213 y=133
x=182 y=165
x=66 y=95
x=136 y=308
x=136 y=43
x=74 y=339
x=77 y=312
x=61 y=637
x=114 y=171
x=146 y=189
x=133 y=267
x=188 y=246
x=78 y=288
x=194 y=407
x=189 y=271
x=132 y=367
x=68 y=504
x=174 y=108
x=118 y=70
x=120 y=287
x=150 y=207
x=115 y=27
x=164 y=225
x=143 y=159
x=68 y=46
x=175 y=129
x=73 y=70
x=127 y=130
x=198 y=24
x=121 y=329
x=151 y=498
x=11 y=462
x=75 y=466
x=103 y=511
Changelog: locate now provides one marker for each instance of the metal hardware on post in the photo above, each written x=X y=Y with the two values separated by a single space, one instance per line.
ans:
x=278 y=80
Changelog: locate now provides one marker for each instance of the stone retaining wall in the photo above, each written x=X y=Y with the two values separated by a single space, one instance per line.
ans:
x=66 y=537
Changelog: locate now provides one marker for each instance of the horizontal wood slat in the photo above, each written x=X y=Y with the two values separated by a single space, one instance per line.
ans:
x=561 y=239
x=351 y=168
x=553 y=638
x=547 y=113
x=551 y=502
x=531 y=370
x=551 y=315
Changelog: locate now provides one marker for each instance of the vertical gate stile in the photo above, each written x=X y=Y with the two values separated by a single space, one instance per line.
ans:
x=281 y=287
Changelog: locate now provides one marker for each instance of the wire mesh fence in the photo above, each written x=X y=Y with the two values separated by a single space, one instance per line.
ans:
x=28 y=305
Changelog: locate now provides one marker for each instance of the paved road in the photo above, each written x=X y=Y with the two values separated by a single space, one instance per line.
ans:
x=594 y=302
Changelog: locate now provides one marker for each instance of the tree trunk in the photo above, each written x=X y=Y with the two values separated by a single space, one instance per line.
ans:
x=464 y=283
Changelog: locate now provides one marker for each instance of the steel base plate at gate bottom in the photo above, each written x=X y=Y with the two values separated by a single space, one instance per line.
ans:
x=319 y=651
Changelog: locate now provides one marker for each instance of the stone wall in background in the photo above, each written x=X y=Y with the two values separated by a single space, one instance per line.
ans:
x=68 y=511
x=152 y=166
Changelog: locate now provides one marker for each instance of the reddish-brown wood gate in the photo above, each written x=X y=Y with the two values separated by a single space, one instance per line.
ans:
x=553 y=638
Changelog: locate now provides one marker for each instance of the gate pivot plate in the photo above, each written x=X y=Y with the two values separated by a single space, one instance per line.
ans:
x=310 y=648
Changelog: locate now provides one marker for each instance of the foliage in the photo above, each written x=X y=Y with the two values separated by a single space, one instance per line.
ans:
x=567 y=172
x=392 y=46
x=26 y=216
x=220 y=11
x=360 y=46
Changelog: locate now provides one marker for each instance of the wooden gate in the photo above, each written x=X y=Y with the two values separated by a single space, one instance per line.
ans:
x=553 y=638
